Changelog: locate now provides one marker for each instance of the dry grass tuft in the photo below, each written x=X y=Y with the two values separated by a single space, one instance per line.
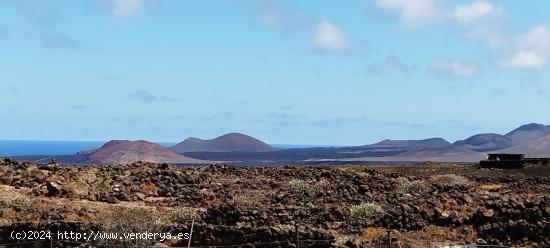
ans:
x=406 y=186
x=12 y=199
x=315 y=187
x=182 y=215
x=374 y=233
x=322 y=185
x=365 y=210
x=123 y=220
x=490 y=186
x=450 y=180
x=250 y=199
x=298 y=185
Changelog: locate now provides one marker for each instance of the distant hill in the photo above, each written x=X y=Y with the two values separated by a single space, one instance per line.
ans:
x=528 y=133
x=535 y=148
x=433 y=142
x=442 y=154
x=125 y=151
x=231 y=142
x=485 y=142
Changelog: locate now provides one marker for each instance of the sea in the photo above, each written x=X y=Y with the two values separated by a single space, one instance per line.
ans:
x=41 y=147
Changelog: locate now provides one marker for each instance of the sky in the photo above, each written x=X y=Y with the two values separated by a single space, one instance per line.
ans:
x=284 y=71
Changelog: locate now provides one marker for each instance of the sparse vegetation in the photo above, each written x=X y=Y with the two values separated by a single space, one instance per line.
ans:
x=104 y=181
x=182 y=214
x=316 y=187
x=123 y=220
x=14 y=200
x=287 y=228
x=374 y=233
x=365 y=210
x=299 y=185
x=322 y=185
x=246 y=200
x=407 y=186
x=450 y=180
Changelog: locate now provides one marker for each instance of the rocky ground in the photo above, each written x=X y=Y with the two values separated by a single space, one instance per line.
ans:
x=423 y=205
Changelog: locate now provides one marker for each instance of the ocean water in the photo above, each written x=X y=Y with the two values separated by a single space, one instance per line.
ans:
x=34 y=147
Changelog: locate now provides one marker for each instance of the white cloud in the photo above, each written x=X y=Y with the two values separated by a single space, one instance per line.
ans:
x=476 y=10
x=481 y=21
x=415 y=12
x=124 y=8
x=329 y=37
x=325 y=35
x=524 y=59
x=532 y=49
x=454 y=68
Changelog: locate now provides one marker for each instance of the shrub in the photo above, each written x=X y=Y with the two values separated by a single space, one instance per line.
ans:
x=123 y=220
x=407 y=186
x=365 y=210
x=450 y=180
x=246 y=200
x=298 y=185
x=322 y=185
x=104 y=181
x=182 y=214
x=315 y=187
x=14 y=200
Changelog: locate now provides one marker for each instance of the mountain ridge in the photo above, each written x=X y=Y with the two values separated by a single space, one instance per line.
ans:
x=230 y=142
x=430 y=142
x=126 y=151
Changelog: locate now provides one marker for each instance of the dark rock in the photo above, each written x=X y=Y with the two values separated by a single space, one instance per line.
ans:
x=54 y=189
x=489 y=213
x=6 y=180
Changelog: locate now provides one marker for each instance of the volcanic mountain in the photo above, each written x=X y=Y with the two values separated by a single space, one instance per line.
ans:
x=433 y=142
x=535 y=148
x=528 y=133
x=440 y=154
x=485 y=142
x=231 y=142
x=125 y=151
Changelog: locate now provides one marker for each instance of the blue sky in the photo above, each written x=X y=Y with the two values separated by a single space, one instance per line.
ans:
x=294 y=72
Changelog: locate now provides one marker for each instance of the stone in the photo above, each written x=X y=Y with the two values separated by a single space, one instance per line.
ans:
x=467 y=199
x=54 y=189
x=6 y=180
x=481 y=241
x=489 y=213
x=112 y=200
x=140 y=196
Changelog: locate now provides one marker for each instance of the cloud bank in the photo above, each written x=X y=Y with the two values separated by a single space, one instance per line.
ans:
x=481 y=21
x=326 y=36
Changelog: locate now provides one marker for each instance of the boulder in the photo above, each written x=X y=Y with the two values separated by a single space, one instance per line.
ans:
x=54 y=189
